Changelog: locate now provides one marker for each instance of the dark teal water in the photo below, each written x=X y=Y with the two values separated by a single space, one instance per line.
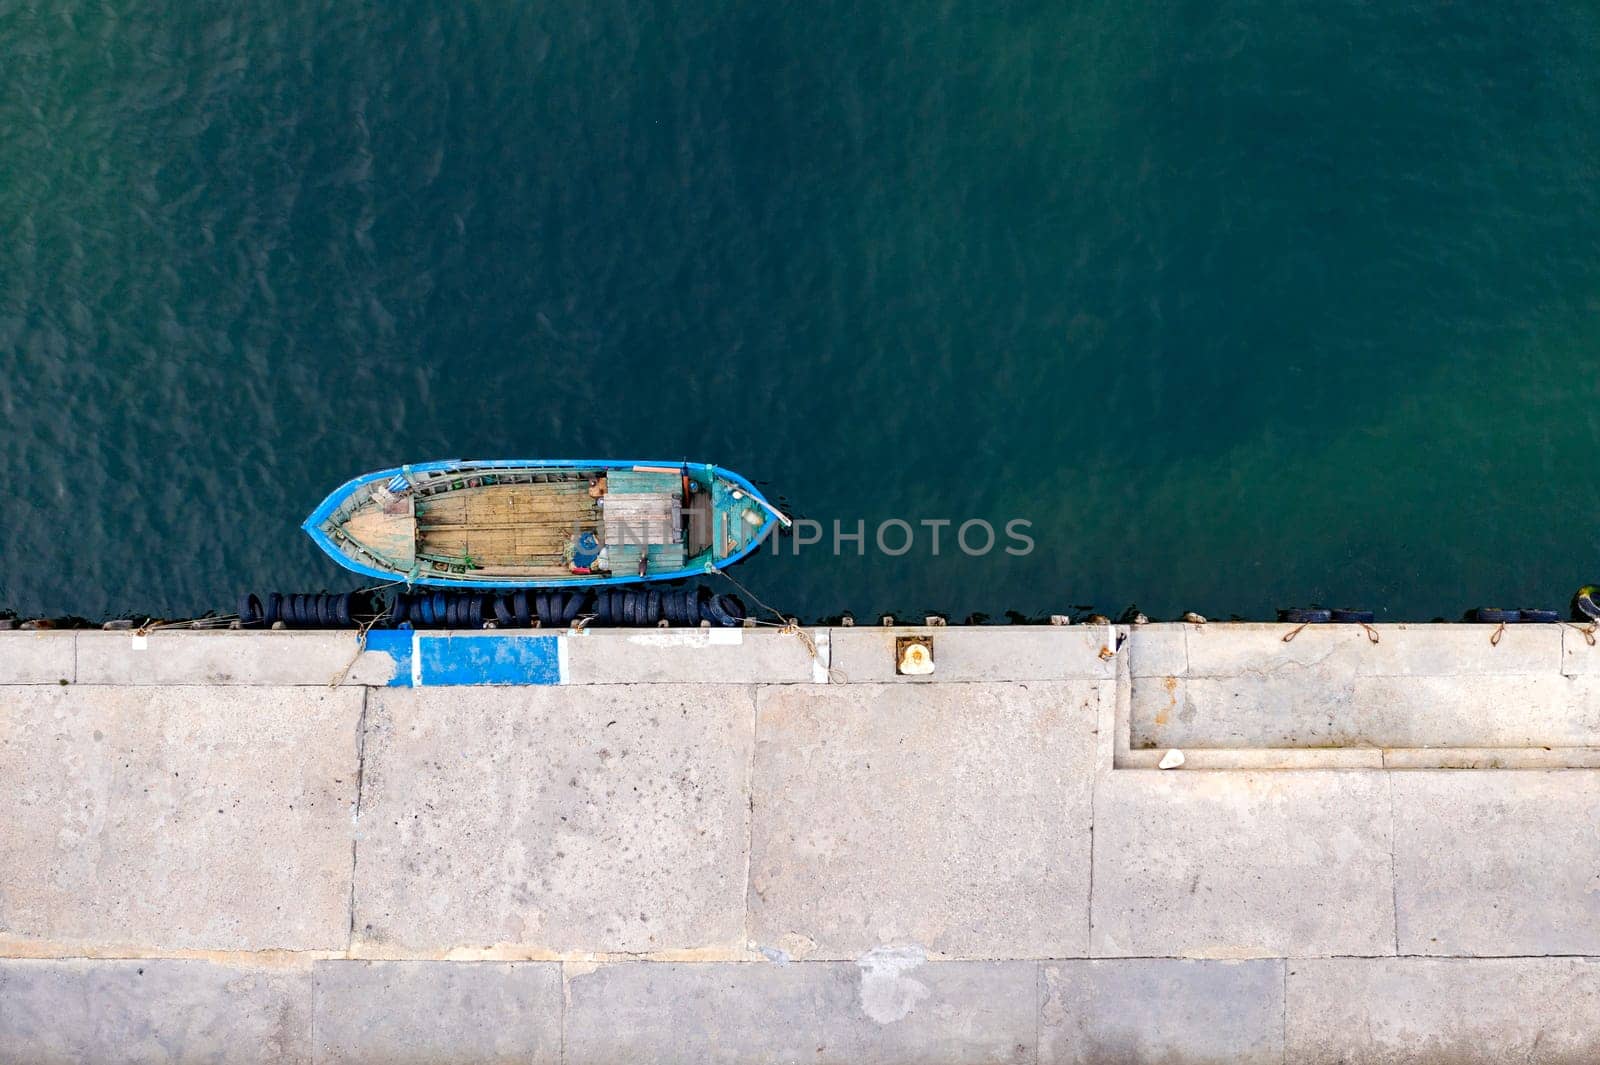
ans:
x=1241 y=305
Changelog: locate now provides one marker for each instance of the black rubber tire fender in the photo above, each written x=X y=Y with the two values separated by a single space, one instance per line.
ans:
x=1305 y=616
x=572 y=608
x=1489 y=615
x=1539 y=617
x=274 y=609
x=717 y=614
x=1353 y=617
x=251 y=612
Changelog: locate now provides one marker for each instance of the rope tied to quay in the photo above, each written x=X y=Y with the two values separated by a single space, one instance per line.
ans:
x=1372 y=633
x=361 y=647
x=1588 y=630
x=213 y=621
x=788 y=625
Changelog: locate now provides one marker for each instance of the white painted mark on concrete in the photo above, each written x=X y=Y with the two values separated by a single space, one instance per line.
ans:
x=669 y=639
x=561 y=660
x=823 y=658
x=688 y=638
x=887 y=993
x=416 y=659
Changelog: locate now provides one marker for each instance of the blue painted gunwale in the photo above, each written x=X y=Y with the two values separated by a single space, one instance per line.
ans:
x=313 y=524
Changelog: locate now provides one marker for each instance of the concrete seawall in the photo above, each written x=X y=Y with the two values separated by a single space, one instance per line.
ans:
x=742 y=845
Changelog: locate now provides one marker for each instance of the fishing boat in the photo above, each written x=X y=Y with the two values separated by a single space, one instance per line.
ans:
x=557 y=523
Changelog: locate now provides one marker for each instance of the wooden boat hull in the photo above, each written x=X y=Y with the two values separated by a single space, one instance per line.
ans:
x=542 y=523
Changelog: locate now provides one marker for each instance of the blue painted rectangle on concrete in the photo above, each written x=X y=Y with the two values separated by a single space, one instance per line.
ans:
x=488 y=659
x=396 y=643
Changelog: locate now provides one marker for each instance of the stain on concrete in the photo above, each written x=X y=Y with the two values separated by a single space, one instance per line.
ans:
x=888 y=992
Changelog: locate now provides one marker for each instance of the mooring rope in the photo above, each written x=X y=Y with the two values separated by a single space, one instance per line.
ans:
x=787 y=625
x=152 y=625
x=361 y=646
x=1372 y=633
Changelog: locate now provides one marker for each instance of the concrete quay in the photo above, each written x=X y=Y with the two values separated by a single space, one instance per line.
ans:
x=741 y=845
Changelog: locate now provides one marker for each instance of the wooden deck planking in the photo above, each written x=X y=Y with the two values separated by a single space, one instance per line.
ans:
x=390 y=536
x=507 y=526
x=504 y=504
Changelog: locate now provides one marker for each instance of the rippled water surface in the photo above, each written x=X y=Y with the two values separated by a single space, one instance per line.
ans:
x=1241 y=305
